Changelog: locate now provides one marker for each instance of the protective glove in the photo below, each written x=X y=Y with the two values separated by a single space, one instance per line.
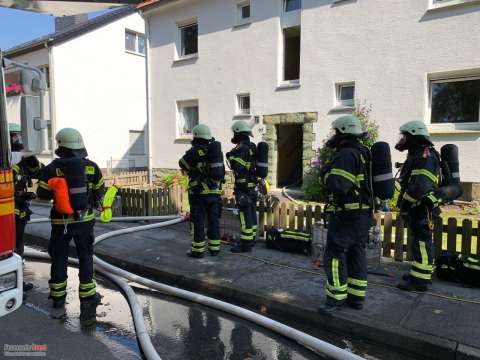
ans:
x=431 y=201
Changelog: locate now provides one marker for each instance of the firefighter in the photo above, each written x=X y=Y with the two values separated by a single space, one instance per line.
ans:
x=242 y=162
x=25 y=168
x=350 y=215
x=419 y=177
x=203 y=194
x=79 y=226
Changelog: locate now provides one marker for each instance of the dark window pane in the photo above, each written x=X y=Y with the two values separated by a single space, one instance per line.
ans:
x=455 y=102
x=190 y=39
x=246 y=12
x=130 y=39
x=347 y=92
x=141 y=44
x=291 y=5
x=292 y=54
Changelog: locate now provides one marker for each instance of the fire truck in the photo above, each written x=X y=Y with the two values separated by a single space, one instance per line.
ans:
x=11 y=267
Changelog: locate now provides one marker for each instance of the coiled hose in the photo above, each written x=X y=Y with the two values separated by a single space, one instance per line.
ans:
x=118 y=275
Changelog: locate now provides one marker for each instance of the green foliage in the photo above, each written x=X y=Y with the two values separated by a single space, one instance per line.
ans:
x=392 y=203
x=312 y=186
x=175 y=177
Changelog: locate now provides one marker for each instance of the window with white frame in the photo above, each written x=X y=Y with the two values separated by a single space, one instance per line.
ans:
x=447 y=3
x=345 y=94
x=455 y=101
x=291 y=54
x=292 y=5
x=188 y=39
x=243 y=104
x=243 y=12
x=134 y=42
x=187 y=116
x=137 y=142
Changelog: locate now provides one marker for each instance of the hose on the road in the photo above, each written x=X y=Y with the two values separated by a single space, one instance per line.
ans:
x=316 y=345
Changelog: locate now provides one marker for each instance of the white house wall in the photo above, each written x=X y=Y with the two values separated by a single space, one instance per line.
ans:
x=387 y=47
x=100 y=90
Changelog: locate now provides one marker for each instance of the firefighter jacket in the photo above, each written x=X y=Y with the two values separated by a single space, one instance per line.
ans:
x=23 y=176
x=347 y=178
x=419 y=177
x=242 y=163
x=95 y=190
x=194 y=163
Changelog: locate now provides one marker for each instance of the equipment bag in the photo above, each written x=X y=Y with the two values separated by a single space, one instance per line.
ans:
x=289 y=241
x=453 y=267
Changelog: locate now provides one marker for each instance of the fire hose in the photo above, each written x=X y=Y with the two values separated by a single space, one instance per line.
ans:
x=119 y=277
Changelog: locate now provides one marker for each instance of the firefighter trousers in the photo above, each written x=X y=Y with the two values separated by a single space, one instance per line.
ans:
x=82 y=235
x=205 y=208
x=345 y=256
x=247 y=212
x=422 y=245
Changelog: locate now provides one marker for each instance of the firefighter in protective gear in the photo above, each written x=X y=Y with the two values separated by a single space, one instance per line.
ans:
x=203 y=194
x=25 y=170
x=419 y=177
x=78 y=227
x=349 y=210
x=242 y=162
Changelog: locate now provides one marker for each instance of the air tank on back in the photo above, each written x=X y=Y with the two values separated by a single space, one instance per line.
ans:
x=261 y=166
x=450 y=188
x=75 y=175
x=216 y=167
x=382 y=175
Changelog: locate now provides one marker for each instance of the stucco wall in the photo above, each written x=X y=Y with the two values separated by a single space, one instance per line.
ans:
x=100 y=90
x=386 y=47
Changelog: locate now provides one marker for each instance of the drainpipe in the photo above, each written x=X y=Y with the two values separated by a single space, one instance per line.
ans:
x=51 y=96
x=148 y=92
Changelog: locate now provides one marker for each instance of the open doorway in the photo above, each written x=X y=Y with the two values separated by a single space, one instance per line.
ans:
x=290 y=155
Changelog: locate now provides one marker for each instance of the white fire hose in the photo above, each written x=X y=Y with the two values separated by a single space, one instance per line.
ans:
x=118 y=275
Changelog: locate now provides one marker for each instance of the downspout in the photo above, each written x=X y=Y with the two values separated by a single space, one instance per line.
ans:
x=51 y=95
x=148 y=92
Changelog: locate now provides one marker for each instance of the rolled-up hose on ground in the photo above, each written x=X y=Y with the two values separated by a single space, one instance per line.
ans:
x=316 y=345
x=118 y=219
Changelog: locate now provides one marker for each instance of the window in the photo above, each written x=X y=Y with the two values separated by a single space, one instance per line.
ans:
x=188 y=39
x=134 y=42
x=455 y=101
x=291 y=54
x=345 y=94
x=137 y=142
x=243 y=12
x=434 y=4
x=292 y=5
x=243 y=104
x=187 y=116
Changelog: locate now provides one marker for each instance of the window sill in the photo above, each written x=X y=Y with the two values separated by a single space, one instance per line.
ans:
x=451 y=4
x=293 y=84
x=454 y=129
x=342 y=109
x=182 y=138
x=134 y=53
x=185 y=58
x=242 y=23
x=242 y=116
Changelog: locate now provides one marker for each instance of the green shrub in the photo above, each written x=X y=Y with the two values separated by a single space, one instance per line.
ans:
x=175 y=177
x=312 y=187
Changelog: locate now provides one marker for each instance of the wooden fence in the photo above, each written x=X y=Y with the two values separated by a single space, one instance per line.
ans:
x=448 y=234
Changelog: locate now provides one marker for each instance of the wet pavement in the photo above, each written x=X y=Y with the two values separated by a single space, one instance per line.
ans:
x=179 y=330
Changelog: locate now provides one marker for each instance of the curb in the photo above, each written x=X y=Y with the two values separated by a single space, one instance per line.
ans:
x=420 y=345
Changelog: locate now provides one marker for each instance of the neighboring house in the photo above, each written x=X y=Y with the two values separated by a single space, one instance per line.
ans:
x=293 y=66
x=96 y=76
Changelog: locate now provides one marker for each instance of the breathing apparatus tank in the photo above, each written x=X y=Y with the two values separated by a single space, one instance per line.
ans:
x=216 y=167
x=450 y=188
x=75 y=175
x=261 y=165
x=382 y=175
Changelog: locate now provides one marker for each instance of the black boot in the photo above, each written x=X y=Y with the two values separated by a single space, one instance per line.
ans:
x=27 y=286
x=412 y=285
x=331 y=305
x=407 y=276
x=88 y=308
x=195 y=254
x=58 y=303
x=240 y=248
x=357 y=305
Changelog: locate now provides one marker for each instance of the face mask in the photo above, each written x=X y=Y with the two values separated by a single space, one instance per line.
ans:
x=16 y=142
x=402 y=143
